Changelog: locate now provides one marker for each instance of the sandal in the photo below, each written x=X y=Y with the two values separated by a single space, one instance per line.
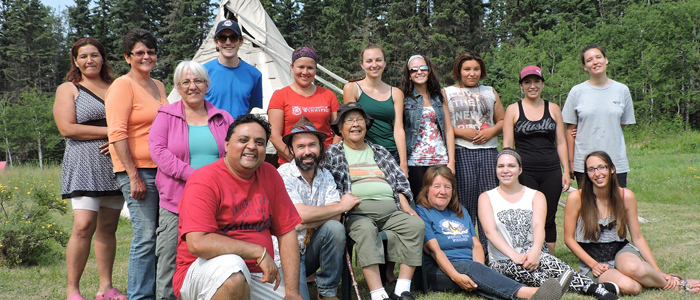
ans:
x=112 y=294
x=687 y=285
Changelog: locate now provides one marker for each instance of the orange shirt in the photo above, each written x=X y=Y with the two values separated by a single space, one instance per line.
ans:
x=130 y=111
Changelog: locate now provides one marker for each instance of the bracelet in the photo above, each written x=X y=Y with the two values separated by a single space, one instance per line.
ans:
x=261 y=258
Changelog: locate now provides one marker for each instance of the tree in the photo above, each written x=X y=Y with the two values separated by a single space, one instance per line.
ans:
x=80 y=20
x=186 y=25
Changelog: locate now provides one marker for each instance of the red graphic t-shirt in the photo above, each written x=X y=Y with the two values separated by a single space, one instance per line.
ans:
x=251 y=210
x=317 y=107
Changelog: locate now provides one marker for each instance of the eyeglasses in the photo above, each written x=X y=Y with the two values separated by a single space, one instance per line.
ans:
x=415 y=69
x=142 y=53
x=222 y=38
x=359 y=120
x=600 y=168
x=186 y=83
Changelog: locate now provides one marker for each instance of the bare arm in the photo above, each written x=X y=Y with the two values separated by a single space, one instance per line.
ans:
x=399 y=133
x=432 y=248
x=276 y=117
x=64 y=116
x=570 y=129
x=635 y=231
x=290 y=257
x=512 y=114
x=478 y=251
x=539 y=213
x=571 y=214
x=137 y=186
x=449 y=138
x=350 y=92
x=489 y=223
x=405 y=206
x=562 y=149
x=485 y=135
x=208 y=245
x=311 y=214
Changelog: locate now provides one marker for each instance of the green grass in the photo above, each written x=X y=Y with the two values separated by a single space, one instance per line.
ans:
x=665 y=176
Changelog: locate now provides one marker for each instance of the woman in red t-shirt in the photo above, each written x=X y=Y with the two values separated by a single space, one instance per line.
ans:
x=302 y=98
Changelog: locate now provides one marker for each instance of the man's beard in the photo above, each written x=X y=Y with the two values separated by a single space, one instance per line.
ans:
x=307 y=166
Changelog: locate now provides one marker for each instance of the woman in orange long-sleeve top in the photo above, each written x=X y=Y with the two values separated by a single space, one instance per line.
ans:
x=131 y=104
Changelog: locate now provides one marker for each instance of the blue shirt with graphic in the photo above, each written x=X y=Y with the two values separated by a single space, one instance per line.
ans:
x=453 y=234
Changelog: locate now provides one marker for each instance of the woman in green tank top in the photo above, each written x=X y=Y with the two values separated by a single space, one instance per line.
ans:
x=382 y=102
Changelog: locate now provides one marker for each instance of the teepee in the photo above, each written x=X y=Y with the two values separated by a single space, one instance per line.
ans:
x=263 y=47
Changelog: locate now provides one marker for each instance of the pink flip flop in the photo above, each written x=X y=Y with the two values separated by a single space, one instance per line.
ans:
x=112 y=294
x=76 y=297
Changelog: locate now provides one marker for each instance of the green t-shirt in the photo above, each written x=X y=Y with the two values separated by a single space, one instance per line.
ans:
x=367 y=181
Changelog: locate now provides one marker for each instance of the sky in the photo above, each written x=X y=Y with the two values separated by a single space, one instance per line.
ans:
x=58 y=4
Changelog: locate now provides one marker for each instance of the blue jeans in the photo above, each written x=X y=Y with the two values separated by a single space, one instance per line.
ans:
x=325 y=250
x=141 y=283
x=490 y=284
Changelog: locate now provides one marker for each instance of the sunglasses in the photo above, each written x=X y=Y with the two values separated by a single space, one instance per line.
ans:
x=421 y=68
x=222 y=38
x=142 y=53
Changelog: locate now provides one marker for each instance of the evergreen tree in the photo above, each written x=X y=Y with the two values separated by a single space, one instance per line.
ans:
x=184 y=29
x=80 y=20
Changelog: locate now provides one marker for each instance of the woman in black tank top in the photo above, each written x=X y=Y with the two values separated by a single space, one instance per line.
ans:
x=535 y=126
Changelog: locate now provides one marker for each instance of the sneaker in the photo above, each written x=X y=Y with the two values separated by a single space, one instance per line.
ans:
x=404 y=296
x=565 y=280
x=601 y=293
x=611 y=287
x=549 y=290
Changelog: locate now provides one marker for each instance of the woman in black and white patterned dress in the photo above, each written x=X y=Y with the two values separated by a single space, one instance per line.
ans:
x=87 y=178
x=513 y=218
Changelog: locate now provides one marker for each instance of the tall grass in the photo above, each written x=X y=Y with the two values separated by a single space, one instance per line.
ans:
x=665 y=176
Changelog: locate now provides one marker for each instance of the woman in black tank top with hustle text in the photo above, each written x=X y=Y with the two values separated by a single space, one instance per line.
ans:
x=535 y=126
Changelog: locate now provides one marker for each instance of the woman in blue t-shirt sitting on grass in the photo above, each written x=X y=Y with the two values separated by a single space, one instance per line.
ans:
x=454 y=258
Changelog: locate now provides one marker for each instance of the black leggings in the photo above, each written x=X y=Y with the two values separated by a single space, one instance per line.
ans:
x=415 y=178
x=549 y=183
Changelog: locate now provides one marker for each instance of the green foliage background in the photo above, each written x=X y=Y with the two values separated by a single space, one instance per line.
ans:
x=652 y=45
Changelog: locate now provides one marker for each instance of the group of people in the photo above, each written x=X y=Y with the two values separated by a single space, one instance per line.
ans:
x=407 y=161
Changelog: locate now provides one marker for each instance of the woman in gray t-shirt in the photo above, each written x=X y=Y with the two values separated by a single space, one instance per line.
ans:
x=596 y=111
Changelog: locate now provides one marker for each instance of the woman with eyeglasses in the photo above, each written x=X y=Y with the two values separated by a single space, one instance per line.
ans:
x=86 y=177
x=596 y=112
x=535 y=126
x=476 y=113
x=302 y=98
x=597 y=219
x=426 y=121
x=185 y=136
x=131 y=104
x=382 y=102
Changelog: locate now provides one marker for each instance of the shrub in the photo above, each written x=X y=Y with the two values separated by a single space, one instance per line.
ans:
x=27 y=234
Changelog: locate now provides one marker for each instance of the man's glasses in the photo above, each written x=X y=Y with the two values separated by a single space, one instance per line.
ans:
x=421 y=68
x=142 y=53
x=222 y=38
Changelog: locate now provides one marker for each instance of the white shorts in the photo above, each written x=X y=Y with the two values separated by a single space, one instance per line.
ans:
x=94 y=203
x=205 y=276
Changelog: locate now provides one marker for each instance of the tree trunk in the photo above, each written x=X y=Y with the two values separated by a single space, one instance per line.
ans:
x=41 y=155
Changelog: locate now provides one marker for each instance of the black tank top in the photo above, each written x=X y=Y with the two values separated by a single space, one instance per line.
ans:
x=536 y=141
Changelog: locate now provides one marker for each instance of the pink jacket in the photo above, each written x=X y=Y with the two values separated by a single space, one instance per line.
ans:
x=169 y=147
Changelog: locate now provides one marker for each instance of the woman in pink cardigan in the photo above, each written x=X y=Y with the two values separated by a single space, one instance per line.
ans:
x=185 y=136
